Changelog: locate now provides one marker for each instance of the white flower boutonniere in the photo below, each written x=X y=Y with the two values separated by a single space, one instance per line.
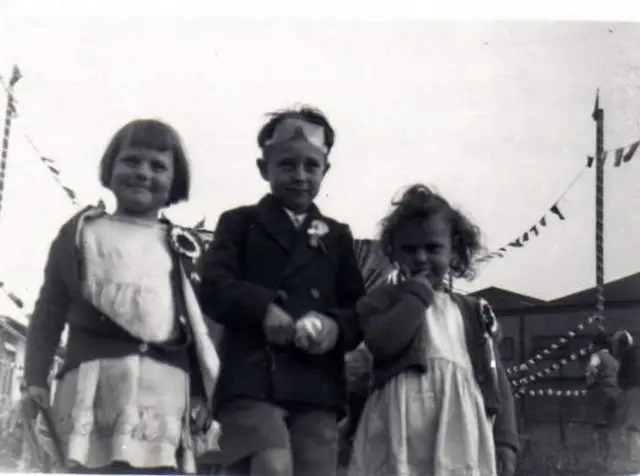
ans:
x=184 y=243
x=316 y=232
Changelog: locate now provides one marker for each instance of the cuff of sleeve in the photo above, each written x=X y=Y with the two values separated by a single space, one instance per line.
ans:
x=258 y=304
x=418 y=290
x=509 y=444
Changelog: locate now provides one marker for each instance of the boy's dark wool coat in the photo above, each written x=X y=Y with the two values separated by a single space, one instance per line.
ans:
x=258 y=257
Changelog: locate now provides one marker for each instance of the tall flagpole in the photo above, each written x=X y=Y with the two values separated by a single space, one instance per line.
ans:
x=598 y=117
x=8 y=116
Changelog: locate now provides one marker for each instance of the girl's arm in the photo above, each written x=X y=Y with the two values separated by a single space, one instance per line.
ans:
x=349 y=288
x=505 y=429
x=391 y=316
x=48 y=319
x=224 y=296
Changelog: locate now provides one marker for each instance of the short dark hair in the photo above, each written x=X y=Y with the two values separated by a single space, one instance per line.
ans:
x=419 y=202
x=306 y=113
x=156 y=135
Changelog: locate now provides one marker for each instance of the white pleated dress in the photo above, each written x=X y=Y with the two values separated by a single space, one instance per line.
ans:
x=431 y=424
x=129 y=409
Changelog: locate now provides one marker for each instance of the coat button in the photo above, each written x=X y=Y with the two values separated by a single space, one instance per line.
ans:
x=315 y=293
x=144 y=347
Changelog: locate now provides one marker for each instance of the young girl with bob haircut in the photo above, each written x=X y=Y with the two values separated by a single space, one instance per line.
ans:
x=139 y=368
x=441 y=403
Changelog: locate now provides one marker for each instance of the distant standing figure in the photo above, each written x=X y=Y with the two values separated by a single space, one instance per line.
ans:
x=602 y=381
x=628 y=354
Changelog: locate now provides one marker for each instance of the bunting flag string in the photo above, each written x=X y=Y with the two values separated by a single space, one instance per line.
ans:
x=50 y=164
x=523 y=382
x=561 y=341
x=621 y=155
x=53 y=168
x=550 y=392
x=535 y=229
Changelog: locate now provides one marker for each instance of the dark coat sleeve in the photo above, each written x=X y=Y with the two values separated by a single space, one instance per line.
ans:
x=224 y=296
x=349 y=288
x=50 y=312
x=391 y=316
x=505 y=429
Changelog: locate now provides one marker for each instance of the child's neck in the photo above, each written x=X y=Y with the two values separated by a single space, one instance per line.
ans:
x=145 y=218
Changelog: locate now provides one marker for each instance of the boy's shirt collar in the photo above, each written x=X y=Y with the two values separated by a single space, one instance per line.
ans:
x=296 y=218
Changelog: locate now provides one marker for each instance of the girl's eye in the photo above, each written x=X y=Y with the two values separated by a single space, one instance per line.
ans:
x=130 y=159
x=158 y=167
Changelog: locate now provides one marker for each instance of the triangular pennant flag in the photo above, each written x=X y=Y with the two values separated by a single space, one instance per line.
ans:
x=16 y=300
x=15 y=76
x=543 y=221
x=618 y=157
x=525 y=236
x=53 y=169
x=70 y=192
x=47 y=160
x=590 y=161
x=516 y=243
x=631 y=152
x=534 y=230
x=557 y=211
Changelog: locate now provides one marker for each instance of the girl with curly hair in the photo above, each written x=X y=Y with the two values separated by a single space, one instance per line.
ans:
x=440 y=402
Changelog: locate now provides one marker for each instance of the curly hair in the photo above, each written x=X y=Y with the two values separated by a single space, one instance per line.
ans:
x=419 y=202
x=307 y=113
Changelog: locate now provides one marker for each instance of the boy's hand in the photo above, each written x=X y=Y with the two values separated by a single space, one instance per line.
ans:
x=316 y=333
x=278 y=325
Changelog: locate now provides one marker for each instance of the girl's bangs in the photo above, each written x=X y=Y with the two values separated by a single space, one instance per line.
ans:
x=150 y=135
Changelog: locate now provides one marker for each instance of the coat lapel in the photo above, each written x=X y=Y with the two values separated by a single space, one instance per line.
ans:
x=302 y=251
x=274 y=220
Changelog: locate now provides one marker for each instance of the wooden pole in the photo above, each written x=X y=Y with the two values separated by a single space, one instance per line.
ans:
x=8 y=116
x=598 y=117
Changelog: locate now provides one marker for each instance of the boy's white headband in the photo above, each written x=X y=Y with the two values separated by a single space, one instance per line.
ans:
x=296 y=129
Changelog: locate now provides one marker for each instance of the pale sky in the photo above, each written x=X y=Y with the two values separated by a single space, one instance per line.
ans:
x=495 y=115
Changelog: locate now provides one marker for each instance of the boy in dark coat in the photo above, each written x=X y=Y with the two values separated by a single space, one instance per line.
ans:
x=283 y=280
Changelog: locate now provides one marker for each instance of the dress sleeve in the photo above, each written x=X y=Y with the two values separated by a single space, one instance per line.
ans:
x=349 y=288
x=391 y=316
x=49 y=316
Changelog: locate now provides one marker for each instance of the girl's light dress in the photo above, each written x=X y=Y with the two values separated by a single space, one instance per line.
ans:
x=130 y=409
x=432 y=423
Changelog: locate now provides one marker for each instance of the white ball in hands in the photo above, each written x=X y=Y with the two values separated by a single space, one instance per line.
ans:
x=307 y=331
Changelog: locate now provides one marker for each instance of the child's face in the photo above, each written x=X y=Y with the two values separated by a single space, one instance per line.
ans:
x=141 y=180
x=424 y=246
x=294 y=172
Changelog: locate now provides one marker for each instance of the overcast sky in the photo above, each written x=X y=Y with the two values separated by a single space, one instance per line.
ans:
x=495 y=115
